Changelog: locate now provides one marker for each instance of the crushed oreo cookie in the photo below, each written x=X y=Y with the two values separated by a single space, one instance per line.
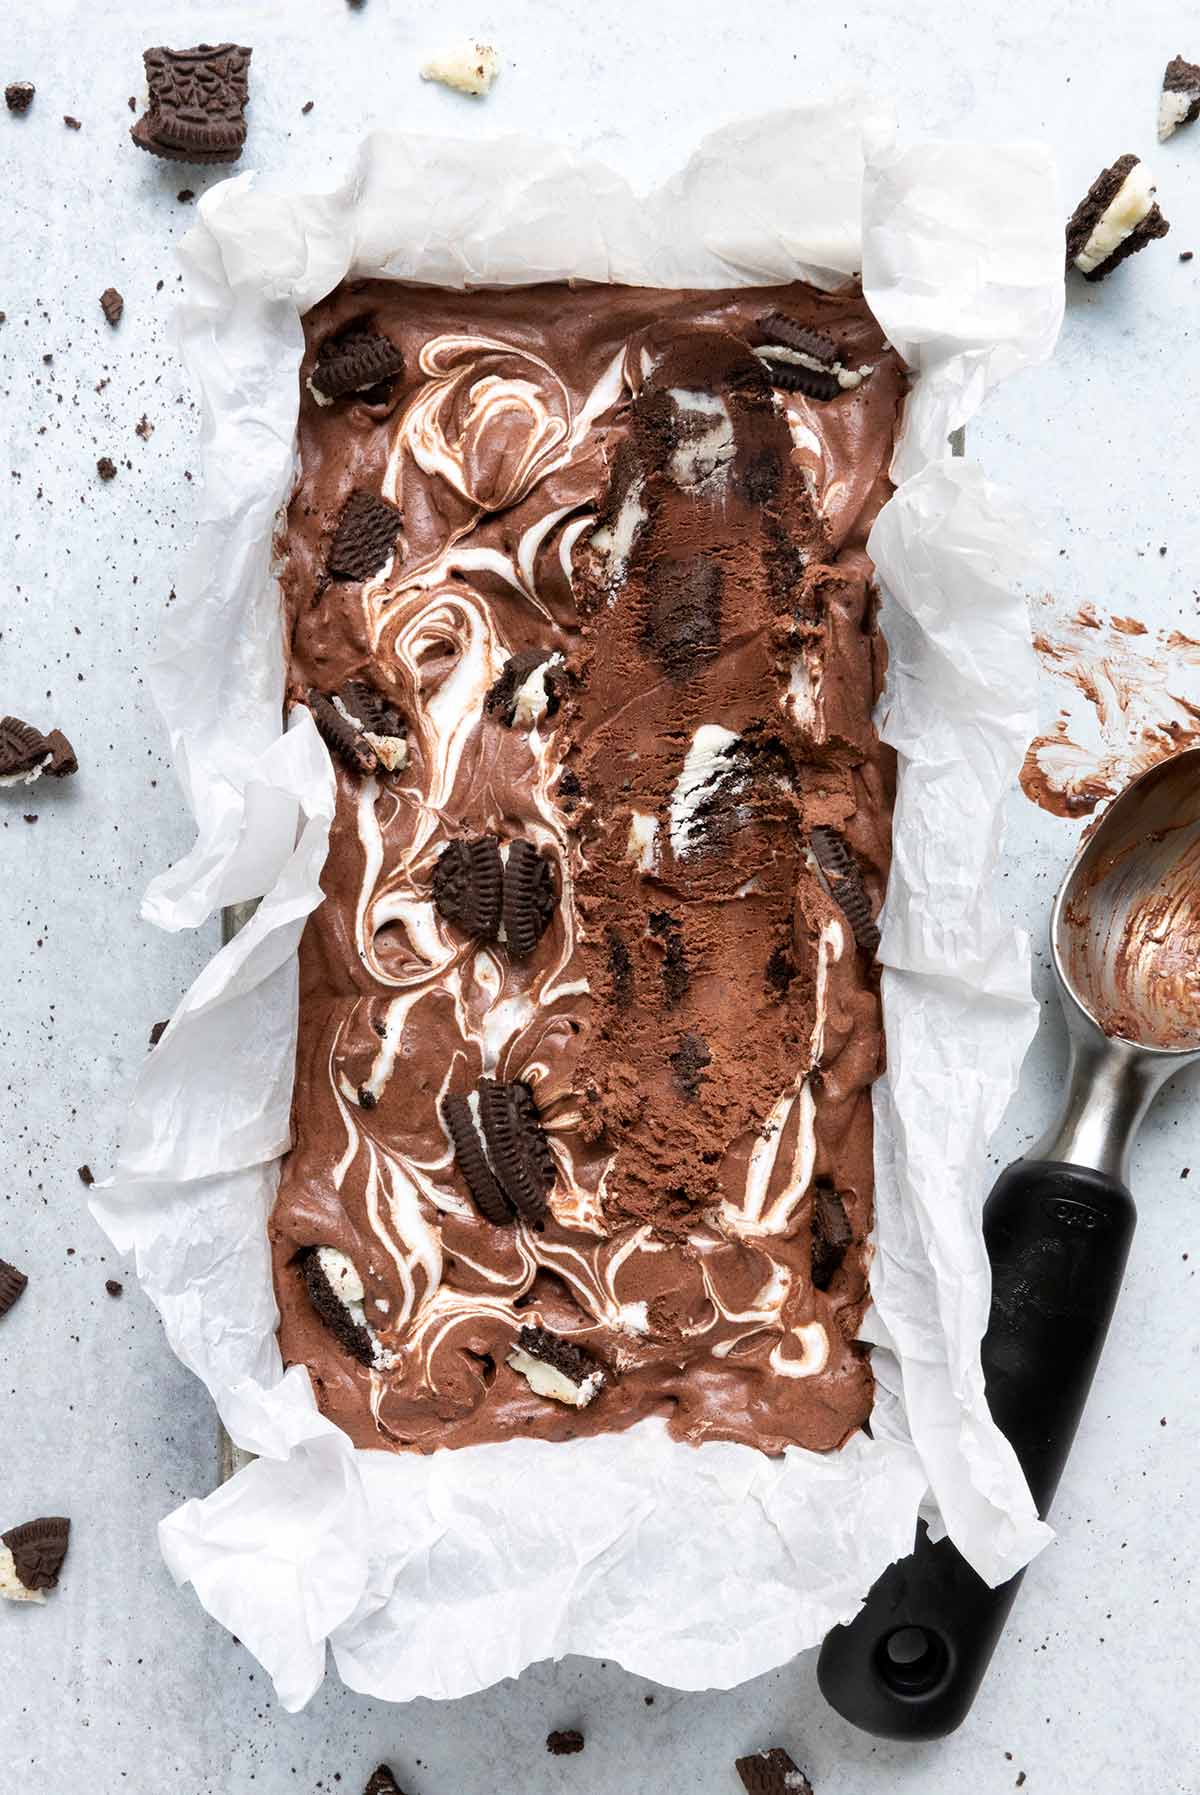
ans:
x=114 y=1287
x=332 y=1305
x=112 y=305
x=472 y=1159
x=688 y=1063
x=1179 y=102
x=364 y=538
x=800 y=360
x=157 y=1031
x=340 y=735
x=516 y=1144
x=85 y=1175
x=106 y=467
x=354 y=362
x=620 y=968
x=383 y=1783
x=381 y=724
x=683 y=623
x=12 y=1285
x=18 y=96
x=1116 y=217
x=516 y=698
x=845 y=881
x=33 y=1557
x=468 y=883
x=25 y=753
x=556 y=1368
x=675 y=970
x=831 y=1234
x=197 y=109
x=772 y=1772
x=566 y=1743
x=529 y=898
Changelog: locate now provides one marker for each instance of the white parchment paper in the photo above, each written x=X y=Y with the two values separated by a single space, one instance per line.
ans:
x=699 y=1567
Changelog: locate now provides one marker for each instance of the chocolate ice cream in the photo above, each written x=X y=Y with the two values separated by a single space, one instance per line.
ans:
x=577 y=594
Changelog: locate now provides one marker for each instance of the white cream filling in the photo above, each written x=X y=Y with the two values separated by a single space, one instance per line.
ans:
x=341 y=1274
x=706 y=455
x=847 y=378
x=708 y=751
x=633 y=1318
x=467 y=68
x=1173 y=107
x=28 y=778
x=391 y=750
x=1119 y=219
x=533 y=700
x=642 y=846
x=548 y=1380
x=11 y=1585
x=614 y=541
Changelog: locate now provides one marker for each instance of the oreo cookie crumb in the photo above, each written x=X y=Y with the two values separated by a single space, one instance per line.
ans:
x=106 y=467
x=86 y=1175
x=831 y=1234
x=781 y=970
x=688 y=1062
x=1185 y=255
x=565 y=1744
x=307 y=107
x=197 y=103
x=675 y=971
x=12 y=1286
x=112 y=304
x=18 y=96
x=157 y=1031
x=772 y=1772
x=185 y=196
x=620 y=968
x=72 y=124
x=383 y=1783
x=114 y=1287
x=1179 y=102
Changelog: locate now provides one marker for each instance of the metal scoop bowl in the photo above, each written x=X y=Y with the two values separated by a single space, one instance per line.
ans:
x=1125 y=939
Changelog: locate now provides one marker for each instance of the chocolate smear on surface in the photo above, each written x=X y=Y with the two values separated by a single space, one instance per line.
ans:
x=364 y=538
x=468 y=883
x=516 y=1144
x=472 y=1159
x=529 y=899
x=564 y=1744
x=12 y=1284
x=501 y=701
x=354 y=362
x=339 y=736
x=197 y=109
x=38 y=1549
x=351 y=1335
x=831 y=1234
x=772 y=1772
x=846 y=888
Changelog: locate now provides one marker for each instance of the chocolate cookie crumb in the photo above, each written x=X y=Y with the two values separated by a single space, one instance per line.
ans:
x=12 y=1285
x=197 y=108
x=106 y=467
x=382 y=1781
x=185 y=196
x=772 y=1773
x=1185 y=255
x=85 y=1175
x=112 y=304
x=72 y=124
x=114 y=1287
x=18 y=96
x=157 y=1031
x=307 y=107
x=364 y=537
x=564 y=1744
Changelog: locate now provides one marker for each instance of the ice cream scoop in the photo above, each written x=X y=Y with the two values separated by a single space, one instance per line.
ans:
x=1125 y=943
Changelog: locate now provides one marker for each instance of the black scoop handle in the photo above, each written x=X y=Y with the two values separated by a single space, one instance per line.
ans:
x=909 y=1664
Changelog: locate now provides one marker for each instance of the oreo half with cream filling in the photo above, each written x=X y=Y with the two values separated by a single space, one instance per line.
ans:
x=1179 y=102
x=1116 y=217
x=555 y=1368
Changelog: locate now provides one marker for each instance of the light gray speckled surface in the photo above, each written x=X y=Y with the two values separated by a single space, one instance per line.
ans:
x=122 y=1683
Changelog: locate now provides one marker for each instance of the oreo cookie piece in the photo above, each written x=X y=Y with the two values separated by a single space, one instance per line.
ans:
x=18 y=96
x=800 y=360
x=683 y=623
x=12 y=1285
x=846 y=888
x=675 y=970
x=468 y=883
x=382 y=726
x=516 y=1145
x=112 y=305
x=553 y=1367
x=340 y=735
x=620 y=968
x=25 y=753
x=1116 y=217
x=566 y=1743
x=528 y=689
x=354 y=362
x=383 y=1783
x=831 y=1234
x=197 y=110
x=472 y=1158
x=529 y=899
x=31 y=1557
x=1179 y=102
x=364 y=538
x=335 y=1291
x=772 y=1772
x=688 y=1063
